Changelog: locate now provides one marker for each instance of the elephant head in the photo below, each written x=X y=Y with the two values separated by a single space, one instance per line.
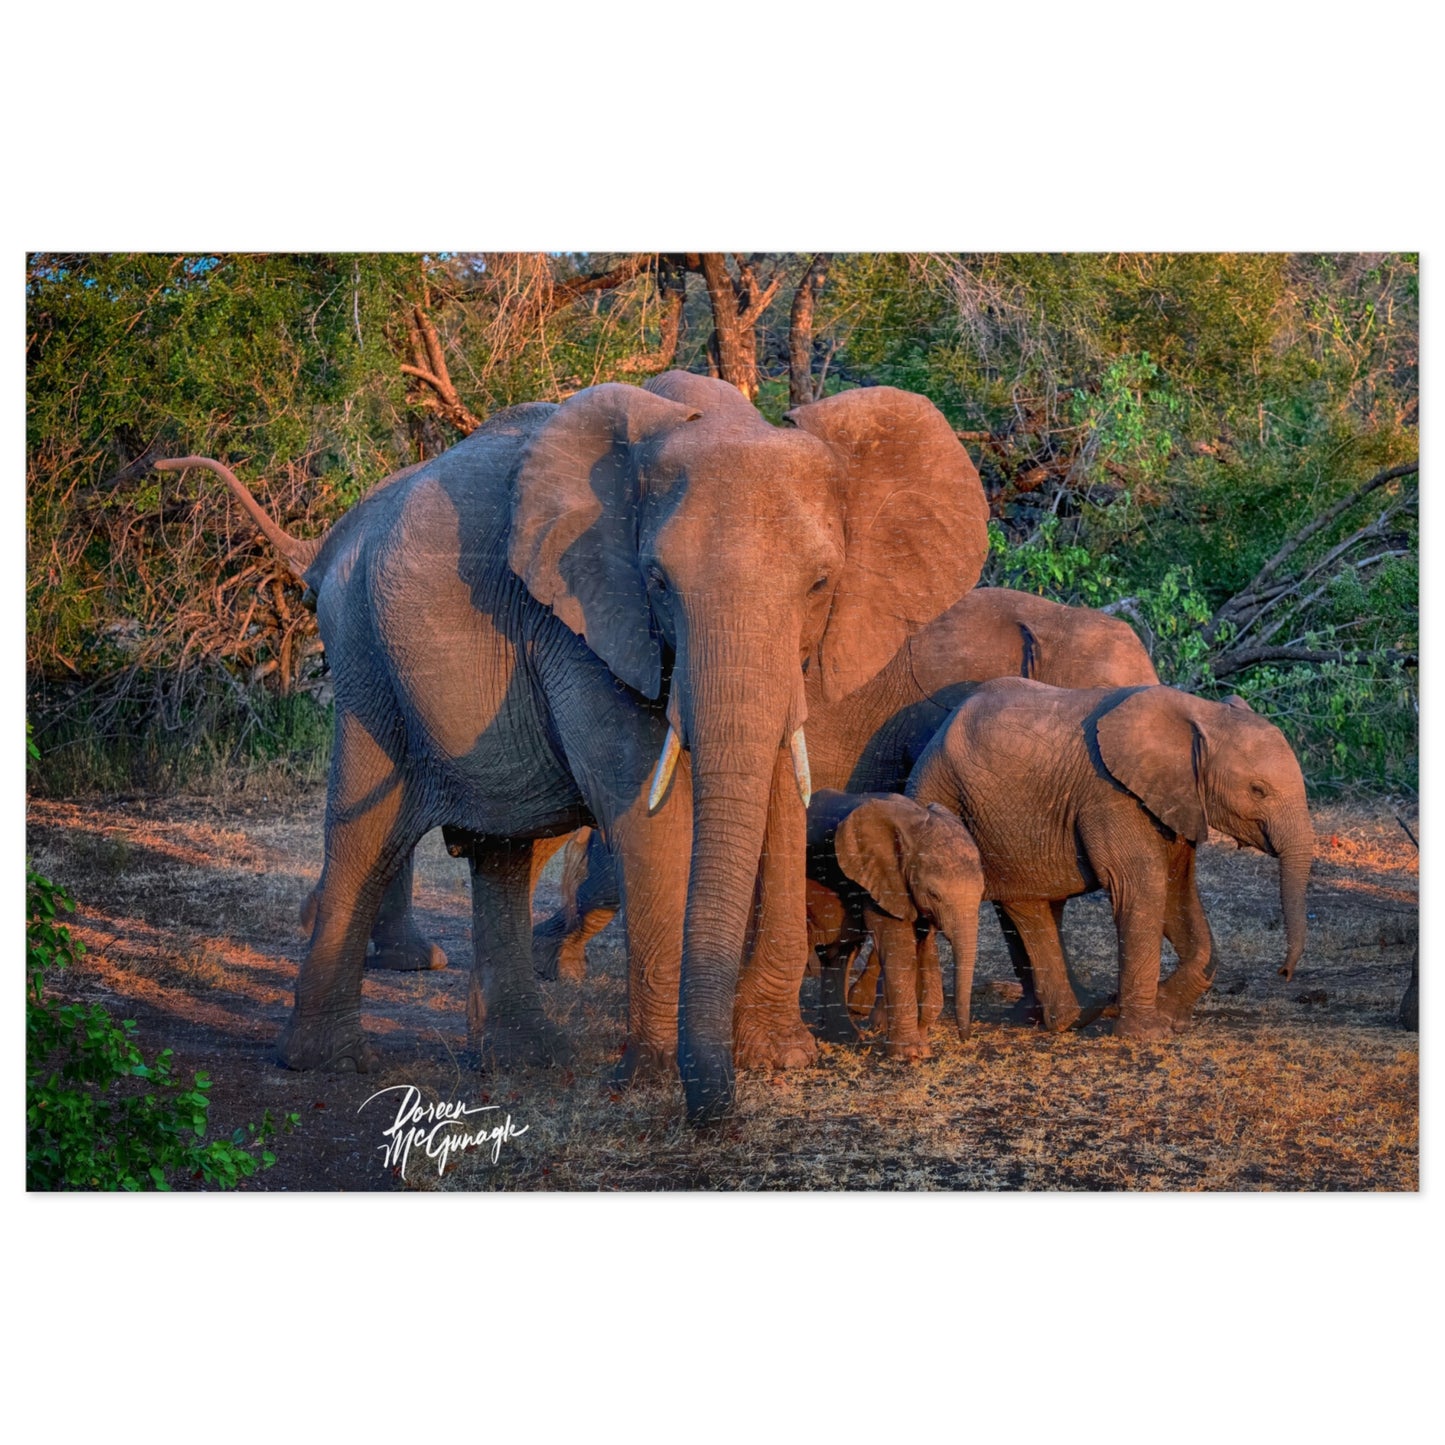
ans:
x=919 y=862
x=1197 y=765
x=674 y=522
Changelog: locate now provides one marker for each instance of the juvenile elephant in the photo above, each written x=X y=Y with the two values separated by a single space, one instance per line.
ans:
x=528 y=632
x=882 y=865
x=1066 y=792
x=868 y=741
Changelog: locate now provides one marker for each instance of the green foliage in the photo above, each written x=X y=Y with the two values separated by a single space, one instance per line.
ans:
x=97 y=1114
x=1175 y=612
x=1154 y=426
x=1048 y=566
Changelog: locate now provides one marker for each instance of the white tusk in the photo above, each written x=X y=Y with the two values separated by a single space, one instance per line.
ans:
x=799 y=748
x=666 y=766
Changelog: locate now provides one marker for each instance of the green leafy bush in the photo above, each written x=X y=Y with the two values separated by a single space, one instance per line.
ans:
x=97 y=1114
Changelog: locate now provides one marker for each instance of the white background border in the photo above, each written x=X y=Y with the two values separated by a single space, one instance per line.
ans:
x=897 y=126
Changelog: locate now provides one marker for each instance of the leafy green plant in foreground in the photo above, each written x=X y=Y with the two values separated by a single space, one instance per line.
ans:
x=97 y=1114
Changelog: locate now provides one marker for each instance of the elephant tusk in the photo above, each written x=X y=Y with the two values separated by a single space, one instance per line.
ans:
x=666 y=766
x=799 y=748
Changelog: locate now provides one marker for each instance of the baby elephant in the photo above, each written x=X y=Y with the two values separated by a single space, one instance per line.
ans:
x=1066 y=792
x=880 y=864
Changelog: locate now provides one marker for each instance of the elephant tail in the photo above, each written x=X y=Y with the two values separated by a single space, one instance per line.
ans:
x=297 y=552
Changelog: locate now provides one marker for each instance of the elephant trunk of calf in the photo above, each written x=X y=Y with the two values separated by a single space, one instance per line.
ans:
x=1296 y=851
x=962 y=934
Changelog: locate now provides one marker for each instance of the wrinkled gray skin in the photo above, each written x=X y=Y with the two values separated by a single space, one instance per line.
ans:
x=883 y=865
x=505 y=623
x=869 y=741
x=1066 y=792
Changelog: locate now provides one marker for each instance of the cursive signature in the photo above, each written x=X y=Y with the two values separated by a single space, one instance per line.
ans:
x=440 y=1129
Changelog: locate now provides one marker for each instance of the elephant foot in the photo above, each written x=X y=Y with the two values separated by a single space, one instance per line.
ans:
x=337 y=1048
x=708 y=1083
x=1178 y=996
x=521 y=1040
x=409 y=954
x=645 y=1063
x=1024 y=1013
x=1058 y=1021
x=572 y=959
x=783 y=1043
x=865 y=991
x=1143 y=1024
x=556 y=953
x=907 y=1051
x=836 y=1026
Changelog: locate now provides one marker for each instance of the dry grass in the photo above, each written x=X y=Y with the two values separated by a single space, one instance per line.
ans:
x=189 y=913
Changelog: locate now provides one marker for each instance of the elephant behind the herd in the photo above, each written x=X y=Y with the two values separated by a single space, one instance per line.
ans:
x=519 y=628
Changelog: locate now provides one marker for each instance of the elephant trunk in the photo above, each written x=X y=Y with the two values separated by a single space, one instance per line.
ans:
x=962 y=931
x=1295 y=848
x=735 y=729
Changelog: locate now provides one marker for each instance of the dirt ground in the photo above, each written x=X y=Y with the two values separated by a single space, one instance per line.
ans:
x=188 y=909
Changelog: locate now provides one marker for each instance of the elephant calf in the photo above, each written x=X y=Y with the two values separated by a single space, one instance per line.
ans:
x=880 y=864
x=1067 y=792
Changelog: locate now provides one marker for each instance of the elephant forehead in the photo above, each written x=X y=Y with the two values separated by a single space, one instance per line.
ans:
x=734 y=460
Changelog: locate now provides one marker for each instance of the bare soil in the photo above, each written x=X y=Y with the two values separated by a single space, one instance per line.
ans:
x=189 y=911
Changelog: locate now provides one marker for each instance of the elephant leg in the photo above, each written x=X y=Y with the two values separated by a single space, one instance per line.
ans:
x=863 y=994
x=768 y=1027
x=396 y=942
x=1186 y=927
x=930 y=982
x=1027 y=1012
x=650 y=857
x=589 y=904
x=373 y=821
x=1139 y=919
x=505 y=1015
x=559 y=942
x=835 y=1024
x=1038 y=930
x=898 y=946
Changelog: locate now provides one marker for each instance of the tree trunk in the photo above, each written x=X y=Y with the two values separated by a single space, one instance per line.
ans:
x=800 y=332
x=737 y=349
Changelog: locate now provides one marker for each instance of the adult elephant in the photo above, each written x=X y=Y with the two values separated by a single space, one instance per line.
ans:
x=869 y=741
x=504 y=623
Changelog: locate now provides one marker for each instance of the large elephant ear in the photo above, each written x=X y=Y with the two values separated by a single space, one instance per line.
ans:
x=873 y=844
x=1151 y=744
x=574 y=523
x=915 y=525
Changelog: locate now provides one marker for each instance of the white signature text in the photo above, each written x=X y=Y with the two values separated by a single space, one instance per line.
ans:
x=441 y=1130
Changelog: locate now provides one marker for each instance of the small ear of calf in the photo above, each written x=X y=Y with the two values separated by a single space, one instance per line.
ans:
x=1150 y=744
x=872 y=845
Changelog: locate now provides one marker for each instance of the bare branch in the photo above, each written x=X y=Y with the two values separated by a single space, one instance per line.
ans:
x=1324 y=519
x=1233 y=662
x=430 y=367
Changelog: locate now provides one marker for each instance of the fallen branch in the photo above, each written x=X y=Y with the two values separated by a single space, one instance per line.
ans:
x=1232 y=662
x=1255 y=592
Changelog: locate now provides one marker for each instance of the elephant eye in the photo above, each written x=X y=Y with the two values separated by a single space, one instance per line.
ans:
x=1258 y=789
x=819 y=585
